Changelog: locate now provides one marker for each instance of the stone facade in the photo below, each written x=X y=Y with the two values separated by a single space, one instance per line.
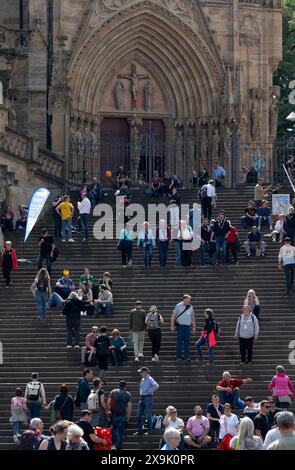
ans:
x=199 y=67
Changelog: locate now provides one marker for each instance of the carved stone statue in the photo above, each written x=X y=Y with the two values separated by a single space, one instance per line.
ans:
x=204 y=145
x=254 y=122
x=273 y=117
x=12 y=114
x=119 y=92
x=215 y=145
x=136 y=141
x=227 y=145
x=73 y=130
x=179 y=151
x=148 y=92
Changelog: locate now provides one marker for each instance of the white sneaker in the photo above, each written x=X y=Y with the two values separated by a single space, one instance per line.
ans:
x=77 y=346
x=15 y=439
x=63 y=240
x=136 y=359
x=140 y=355
x=156 y=357
x=71 y=240
x=68 y=347
x=114 y=447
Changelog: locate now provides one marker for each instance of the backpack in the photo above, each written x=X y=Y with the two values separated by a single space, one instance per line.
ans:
x=93 y=401
x=101 y=348
x=28 y=441
x=204 y=192
x=153 y=322
x=34 y=391
x=217 y=328
x=120 y=399
x=157 y=422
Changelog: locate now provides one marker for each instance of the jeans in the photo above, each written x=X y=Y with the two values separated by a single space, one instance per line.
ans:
x=73 y=331
x=48 y=262
x=147 y=254
x=233 y=247
x=183 y=336
x=6 y=273
x=118 y=424
x=16 y=427
x=106 y=308
x=34 y=409
x=66 y=223
x=289 y=274
x=202 y=342
x=221 y=244
x=267 y=219
x=163 y=252
x=177 y=245
x=58 y=224
x=117 y=356
x=84 y=221
x=207 y=207
x=155 y=337
x=55 y=300
x=232 y=398
x=41 y=299
x=126 y=252
x=145 y=405
x=138 y=342
x=246 y=349
x=251 y=246
x=206 y=249
x=247 y=222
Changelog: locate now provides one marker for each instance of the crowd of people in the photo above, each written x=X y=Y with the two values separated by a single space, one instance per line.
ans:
x=265 y=425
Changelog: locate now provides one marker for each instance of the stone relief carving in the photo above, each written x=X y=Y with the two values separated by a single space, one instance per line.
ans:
x=215 y=145
x=254 y=121
x=148 y=94
x=227 y=145
x=204 y=145
x=249 y=30
x=119 y=94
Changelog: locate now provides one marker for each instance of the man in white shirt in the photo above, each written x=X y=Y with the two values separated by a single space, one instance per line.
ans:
x=287 y=259
x=208 y=193
x=84 y=208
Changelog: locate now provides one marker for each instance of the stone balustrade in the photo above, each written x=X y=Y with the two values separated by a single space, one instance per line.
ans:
x=27 y=149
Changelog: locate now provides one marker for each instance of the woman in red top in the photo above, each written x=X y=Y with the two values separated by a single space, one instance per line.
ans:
x=8 y=262
x=232 y=244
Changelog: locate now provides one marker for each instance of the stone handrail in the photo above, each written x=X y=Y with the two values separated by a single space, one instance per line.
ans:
x=27 y=149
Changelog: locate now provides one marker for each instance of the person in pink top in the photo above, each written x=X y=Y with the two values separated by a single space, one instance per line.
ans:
x=19 y=411
x=281 y=388
x=197 y=428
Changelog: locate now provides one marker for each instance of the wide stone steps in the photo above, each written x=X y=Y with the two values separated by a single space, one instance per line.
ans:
x=30 y=344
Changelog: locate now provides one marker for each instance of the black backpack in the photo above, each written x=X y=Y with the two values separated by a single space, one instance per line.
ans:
x=28 y=441
x=204 y=192
x=120 y=399
x=101 y=348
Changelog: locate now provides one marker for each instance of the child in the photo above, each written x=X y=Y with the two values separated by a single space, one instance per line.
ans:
x=19 y=409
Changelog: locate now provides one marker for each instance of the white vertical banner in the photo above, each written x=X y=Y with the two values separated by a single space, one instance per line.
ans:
x=37 y=203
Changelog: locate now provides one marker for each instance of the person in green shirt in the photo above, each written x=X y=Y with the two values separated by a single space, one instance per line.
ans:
x=87 y=278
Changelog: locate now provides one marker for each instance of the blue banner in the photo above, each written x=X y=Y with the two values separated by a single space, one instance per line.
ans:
x=37 y=203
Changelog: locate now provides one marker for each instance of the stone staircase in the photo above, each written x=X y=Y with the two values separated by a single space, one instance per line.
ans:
x=30 y=345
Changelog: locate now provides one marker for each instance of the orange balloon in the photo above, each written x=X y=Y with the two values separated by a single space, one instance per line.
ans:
x=108 y=173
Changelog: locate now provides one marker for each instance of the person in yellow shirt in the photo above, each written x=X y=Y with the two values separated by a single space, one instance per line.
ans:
x=66 y=210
